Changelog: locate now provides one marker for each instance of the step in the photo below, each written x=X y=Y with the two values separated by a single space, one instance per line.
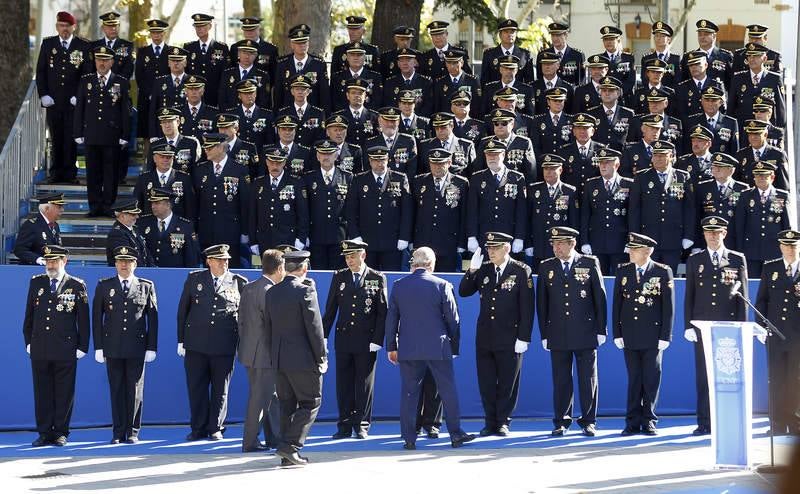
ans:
x=83 y=240
x=80 y=189
x=74 y=260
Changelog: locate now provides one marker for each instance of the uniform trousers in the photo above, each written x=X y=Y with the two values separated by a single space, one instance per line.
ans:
x=102 y=172
x=65 y=151
x=126 y=383
x=586 y=363
x=701 y=384
x=609 y=262
x=498 y=383
x=53 y=395
x=355 y=386
x=202 y=370
x=326 y=256
x=754 y=268
x=384 y=260
x=644 y=381
x=300 y=394
x=263 y=410
x=447 y=261
x=783 y=366
x=429 y=408
x=669 y=257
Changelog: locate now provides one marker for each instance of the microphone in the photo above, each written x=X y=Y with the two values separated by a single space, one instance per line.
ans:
x=735 y=289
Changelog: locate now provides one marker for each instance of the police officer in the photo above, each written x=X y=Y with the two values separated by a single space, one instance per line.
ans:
x=300 y=62
x=724 y=129
x=763 y=107
x=358 y=294
x=278 y=206
x=761 y=213
x=168 y=89
x=760 y=151
x=165 y=176
x=361 y=122
x=552 y=203
x=757 y=33
x=570 y=67
x=298 y=156
x=355 y=68
x=409 y=79
x=101 y=122
x=554 y=126
x=657 y=102
x=347 y=157
x=207 y=339
x=379 y=211
x=170 y=238
x=496 y=201
x=256 y=124
x=151 y=62
x=710 y=274
x=247 y=52
x=310 y=118
x=402 y=37
x=355 y=34
x=642 y=312
x=604 y=213
x=431 y=62
x=698 y=162
x=622 y=65
x=719 y=196
x=695 y=83
x=517 y=149
x=466 y=127
x=207 y=56
x=588 y=95
x=40 y=230
x=222 y=188
x=454 y=81
x=411 y=123
x=653 y=71
x=122 y=48
x=668 y=61
x=504 y=327
x=638 y=155
x=187 y=148
x=241 y=152
x=746 y=85
x=462 y=151
x=549 y=79
x=440 y=199
x=56 y=331
x=402 y=148
x=59 y=67
x=125 y=321
x=509 y=98
x=507 y=34
x=267 y=52
x=720 y=60
x=123 y=232
x=327 y=188
x=197 y=117
x=509 y=69
x=662 y=205
x=613 y=119
x=779 y=299
x=579 y=164
x=571 y=303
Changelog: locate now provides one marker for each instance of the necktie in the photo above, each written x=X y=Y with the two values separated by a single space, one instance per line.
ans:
x=407 y=122
x=380 y=182
x=764 y=197
x=497 y=275
x=721 y=190
x=63 y=44
x=162 y=225
x=274 y=183
x=327 y=179
x=203 y=48
x=552 y=190
x=755 y=80
x=459 y=123
x=566 y=268
x=715 y=259
x=217 y=169
x=662 y=177
x=455 y=81
x=609 y=115
x=299 y=66
x=389 y=142
x=441 y=54
x=508 y=52
x=248 y=114
x=583 y=151
x=555 y=120
x=171 y=142
x=356 y=115
x=549 y=85
x=53 y=282
x=408 y=82
x=661 y=56
x=559 y=54
x=163 y=177
x=244 y=74
x=356 y=279
x=157 y=50
x=125 y=287
x=649 y=151
x=286 y=149
x=757 y=154
x=789 y=271
x=438 y=184
x=177 y=81
x=102 y=81
x=711 y=122
x=699 y=87
x=194 y=111
x=300 y=112
x=639 y=274
x=497 y=178
x=216 y=283
x=52 y=226
x=608 y=186
x=110 y=44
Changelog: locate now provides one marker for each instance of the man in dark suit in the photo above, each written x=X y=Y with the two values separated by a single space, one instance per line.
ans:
x=151 y=62
x=256 y=124
x=123 y=233
x=355 y=69
x=698 y=162
x=207 y=56
x=756 y=81
x=507 y=34
x=694 y=85
x=588 y=95
x=300 y=62
x=614 y=120
x=122 y=48
x=724 y=129
x=719 y=196
x=197 y=117
x=402 y=36
x=125 y=321
x=41 y=230
x=553 y=128
x=462 y=151
x=720 y=60
x=571 y=303
x=164 y=175
x=240 y=152
x=710 y=274
x=642 y=312
x=511 y=99
x=509 y=69
x=293 y=328
x=570 y=67
x=423 y=333
x=355 y=33
x=549 y=79
x=410 y=122
x=638 y=155
x=358 y=295
x=579 y=164
x=310 y=118
x=454 y=81
x=186 y=148
x=360 y=121
x=62 y=60
x=256 y=356
x=267 y=52
x=245 y=69
x=207 y=339
x=298 y=156
x=347 y=157
x=168 y=89
x=431 y=62
x=409 y=79
x=779 y=299
x=101 y=122
x=170 y=238
x=466 y=127
x=671 y=127
x=760 y=151
x=652 y=85
x=503 y=329
x=622 y=65
x=670 y=62
x=757 y=33
x=517 y=149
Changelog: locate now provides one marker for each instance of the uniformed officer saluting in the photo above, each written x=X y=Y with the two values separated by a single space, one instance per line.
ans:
x=56 y=331
x=644 y=305
x=207 y=338
x=572 y=318
x=504 y=327
x=125 y=321
x=170 y=238
x=710 y=274
x=358 y=295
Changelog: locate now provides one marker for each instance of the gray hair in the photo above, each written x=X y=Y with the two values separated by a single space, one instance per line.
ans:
x=44 y=207
x=424 y=257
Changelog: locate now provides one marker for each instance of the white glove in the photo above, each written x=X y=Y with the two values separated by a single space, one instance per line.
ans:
x=28 y=348
x=181 y=350
x=476 y=261
x=308 y=242
x=79 y=354
x=691 y=335
x=686 y=243
x=323 y=367
x=73 y=101
x=586 y=249
x=544 y=344
x=244 y=239
x=619 y=342
x=662 y=345
x=761 y=337
x=149 y=356
x=326 y=342
x=402 y=245
x=123 y=142
x=695 y=250
x=298 y=244
x=516 y=246
x=99 y=357
x=472 y=244
x=79 y=140
x=520 y=346
x=154 y=139
x=529 y=252
x=254 y=250
x=40 y=261
x=47 y=101
x=601 y=338
x=374 y=348
x=460 y=250
x=358 y=239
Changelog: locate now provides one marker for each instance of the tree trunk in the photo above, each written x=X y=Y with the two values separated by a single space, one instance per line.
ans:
x=252 y=8
x=391 y=13
x=138 y=13
x=15 y=58
x=315 y=13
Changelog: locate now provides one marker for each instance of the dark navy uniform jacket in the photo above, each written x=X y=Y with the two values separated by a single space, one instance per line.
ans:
x=664 y=212
x=125 y=326
x=59 y=71
x=326 y=203
x=176 y=247
x=497 y=207
x=708 y=288
x=208 y=65
x=361 y=310
x=604 y=215
x=180 y=183
x=758 y=225
x=643 y=310
x=34 y=234
x=380 y=216
x=490 y=63
x=56 y=324
x=123 y=55
x=222 y=203
x=278 y=216
x=440 y=216
x=779 y=300
x=571 y=66
x=120 y=235
x=545 y=212
x=102 y=114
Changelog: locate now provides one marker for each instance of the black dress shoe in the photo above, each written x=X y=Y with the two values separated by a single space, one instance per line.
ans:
x=342 y=434
x=40 y=441
x=254 y=449
x=215 y=436
x=589 y=430
x=629 y=431
x=409 y=446
x=503 y=431
x=558 y=431
x=701 y=431
x=433 y=433
x=292 y=457
x=195 y=436
x=132 y=440
x=60 y=441
x=487 y=431
x=650 y=430
x=461 y=440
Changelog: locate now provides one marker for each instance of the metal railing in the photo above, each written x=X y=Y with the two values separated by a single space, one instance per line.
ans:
x=789 y=146
x=22 y=156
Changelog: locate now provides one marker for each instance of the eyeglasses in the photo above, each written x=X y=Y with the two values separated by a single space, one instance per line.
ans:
x=459 y=103
x=503 y=123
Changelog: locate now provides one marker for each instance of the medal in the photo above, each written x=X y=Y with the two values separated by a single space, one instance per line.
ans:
x=200 y=287
x=111 y=292
x=485 y=282
x=341 y=287
x=641 y=299
x=40 y=292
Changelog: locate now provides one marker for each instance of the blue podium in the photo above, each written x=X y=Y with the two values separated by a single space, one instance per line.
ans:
x=728 y=349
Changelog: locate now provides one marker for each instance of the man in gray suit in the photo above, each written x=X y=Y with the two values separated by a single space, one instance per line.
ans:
x=294 y=334
x=255 y=355
x=422 y=332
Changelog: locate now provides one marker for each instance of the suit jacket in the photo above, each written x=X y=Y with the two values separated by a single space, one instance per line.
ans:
x=548 y=138
x=444 y=88
x=638 y=101
x=687 y=97
x=164 y=94
x=267 y=57
x=372 y=98
x=710 y=202
x=758 y=225
x=102 y=114
x=507 y=307
x=699 y=168
x=519 y=157
x=227 y=95
x=526 y=100
x=708 y=288
x=624 y=69
x=422 y=321
x=258 y=128
x=431 y=65
x=604 y=215
x=471 y=128
x=463 y=154
x=299 y=159
x=422 y=86
x=571 y=309
x=315 y=69
x=120 y=235
x=149 y=66
x=381 y=216
x=209 y=65
x=222 y=203
x=326 y=206
x=571 y=66
x=361 y=129
x=176 y=247
x=778 y=298
x=278 y=216
x=773 y=62
x=123 y=56
x=497 y=207
x=720 y=66
x=743 y=93
x=615 y=133
x=545 y=212
x=643 y=310
x=53 y=333
x=539 y=88
x=725 y=134
x=253 y=351
x=402 y=154
x=125 y=326
x=664 y=212
x=202 y=123
x=187 y=153
x=578 y=169
x=490 y=63
x=586 y=96
x=418 y=127
x=772 y=155
x=672 y=131
x=245 y=153
x=312 y=125
x=635 y=159
x=372 y=57
x=440 y=216
x=673 y=74
x=294 y=326
x=34 y=234
x=180 y=183
x=361 y=310
x=58 y=71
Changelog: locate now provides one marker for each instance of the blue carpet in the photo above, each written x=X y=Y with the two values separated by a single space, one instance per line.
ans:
x=384 y=437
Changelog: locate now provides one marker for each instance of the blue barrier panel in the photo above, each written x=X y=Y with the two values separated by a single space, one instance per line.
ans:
x=165 y=384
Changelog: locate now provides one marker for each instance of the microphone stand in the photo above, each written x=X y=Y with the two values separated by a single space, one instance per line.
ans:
x=771 y=331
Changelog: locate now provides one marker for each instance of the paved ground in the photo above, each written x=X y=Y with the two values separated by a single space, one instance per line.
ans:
x=523 y=463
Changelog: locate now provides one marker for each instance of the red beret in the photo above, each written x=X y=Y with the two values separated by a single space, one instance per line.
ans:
x=65 y=17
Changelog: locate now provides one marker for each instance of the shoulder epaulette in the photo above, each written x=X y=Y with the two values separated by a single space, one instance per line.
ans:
x=421 y=175
x=709 y=180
